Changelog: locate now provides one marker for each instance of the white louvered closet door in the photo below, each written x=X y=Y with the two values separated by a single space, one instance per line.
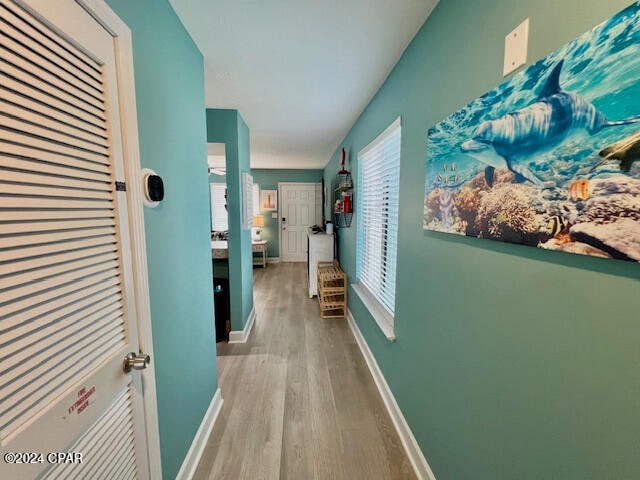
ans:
x=67 y=312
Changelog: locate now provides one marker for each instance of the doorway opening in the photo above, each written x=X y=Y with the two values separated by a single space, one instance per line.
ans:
x=216 y=161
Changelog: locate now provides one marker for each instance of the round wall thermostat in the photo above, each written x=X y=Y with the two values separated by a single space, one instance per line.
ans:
x=153 y=188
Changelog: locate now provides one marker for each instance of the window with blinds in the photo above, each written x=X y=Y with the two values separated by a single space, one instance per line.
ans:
x=377 y=225
x=218 y=207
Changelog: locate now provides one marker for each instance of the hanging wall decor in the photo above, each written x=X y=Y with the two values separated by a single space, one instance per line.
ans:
x=268 y=200
x=550 y=157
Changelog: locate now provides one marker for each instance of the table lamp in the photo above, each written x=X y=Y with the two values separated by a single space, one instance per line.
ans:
x=258 y=223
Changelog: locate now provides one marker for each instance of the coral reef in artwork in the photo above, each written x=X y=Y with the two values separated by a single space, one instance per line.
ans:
x=549 y=158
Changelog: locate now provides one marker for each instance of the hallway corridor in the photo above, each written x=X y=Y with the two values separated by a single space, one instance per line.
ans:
x=299 y=401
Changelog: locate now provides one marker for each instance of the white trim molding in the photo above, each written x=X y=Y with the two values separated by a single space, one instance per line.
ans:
x=416 y=457
x=273 y=260
x=380 y=315
x=191 y=460
x=241 y=336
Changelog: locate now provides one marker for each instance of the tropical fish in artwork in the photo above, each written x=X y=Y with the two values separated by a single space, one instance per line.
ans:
x=580 y=189
x=509 y=141
x=626 y=151
x=556 y=225
x=446 y=208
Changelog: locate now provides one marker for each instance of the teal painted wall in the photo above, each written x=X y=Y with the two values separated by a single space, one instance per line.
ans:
x=217 y=179
x=510 y=362
x=268 y=179
x=228 y=127
x=170 y=102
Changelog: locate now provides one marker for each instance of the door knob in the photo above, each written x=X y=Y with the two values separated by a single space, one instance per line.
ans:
x=133 y=361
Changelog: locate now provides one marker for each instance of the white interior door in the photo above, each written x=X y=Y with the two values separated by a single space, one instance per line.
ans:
x=297 y=212
x=67 y=302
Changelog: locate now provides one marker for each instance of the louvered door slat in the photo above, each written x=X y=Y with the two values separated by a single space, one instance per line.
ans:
x=7 y=176
x=23 y=265
x=75 y=266
x=56 y=92
x=58 y=175
x=74 y=308
x=25 y=215
x=52 y=351
x=18 y=51
x=34 y=303
x=115 y=469
x=109 y=439
x=107 y=433
x=22 y=240
x=62 y=319
x=74 y=60
x=109 y=448
x=17 y=86
x=120 y=469
x=46 y=388
x=53 y=172
x=130 y=474
x=43 y=131
x=48 y=288
x=39 y=159
x=44 y=285
x=50 y=145
x=68 y=123
x=35 y=202
x=36 y=227
x=53 y=192
x=107 y=455
x=18 y=110
x=36 y=359
x=37 y=250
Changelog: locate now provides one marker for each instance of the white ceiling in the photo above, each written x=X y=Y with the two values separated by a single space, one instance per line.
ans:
x=299 y=71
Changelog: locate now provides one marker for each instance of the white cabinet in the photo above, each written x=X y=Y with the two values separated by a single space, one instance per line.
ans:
x=320 y=249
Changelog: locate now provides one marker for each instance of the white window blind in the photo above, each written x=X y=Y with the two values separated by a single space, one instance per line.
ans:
x=377 y=234
x=218 y=211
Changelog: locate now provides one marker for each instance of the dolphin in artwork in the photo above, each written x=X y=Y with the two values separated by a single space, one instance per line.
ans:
x=506 y=141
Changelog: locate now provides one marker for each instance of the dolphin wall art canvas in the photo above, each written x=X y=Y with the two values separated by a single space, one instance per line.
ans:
x=547 y=158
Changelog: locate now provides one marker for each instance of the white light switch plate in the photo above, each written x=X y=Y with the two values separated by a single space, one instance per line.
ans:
x=515 y=48
x=274 y=215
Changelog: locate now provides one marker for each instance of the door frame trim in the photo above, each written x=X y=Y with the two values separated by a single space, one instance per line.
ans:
x=106 y=17
x=280 y=185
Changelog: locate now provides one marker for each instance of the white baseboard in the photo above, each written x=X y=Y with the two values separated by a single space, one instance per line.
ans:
x=416 y=457
x=241 y=336
x=190 y=463
x=273 y=260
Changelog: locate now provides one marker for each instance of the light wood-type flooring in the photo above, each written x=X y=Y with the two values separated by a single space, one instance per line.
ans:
x=299 y=400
